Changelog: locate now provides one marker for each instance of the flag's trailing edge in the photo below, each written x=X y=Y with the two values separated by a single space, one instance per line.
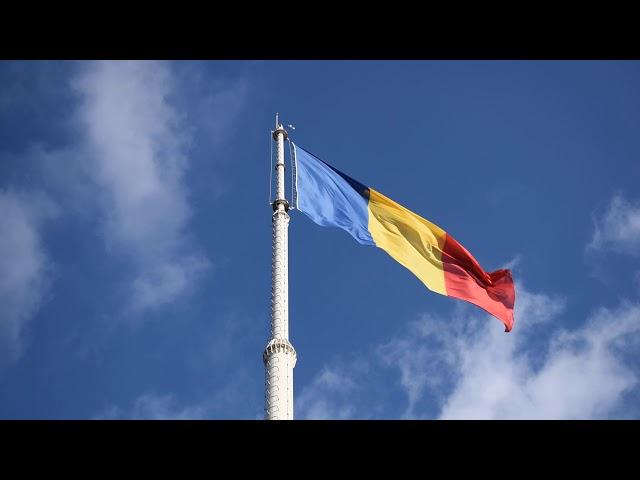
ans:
x=331 y=198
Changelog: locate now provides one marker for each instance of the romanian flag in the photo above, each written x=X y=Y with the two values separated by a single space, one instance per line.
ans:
x=331 y=198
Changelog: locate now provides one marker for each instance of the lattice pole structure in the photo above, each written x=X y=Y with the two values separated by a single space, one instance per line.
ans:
x=279 y=356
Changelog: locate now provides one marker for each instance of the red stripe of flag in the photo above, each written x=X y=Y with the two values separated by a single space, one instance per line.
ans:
x=465 y=279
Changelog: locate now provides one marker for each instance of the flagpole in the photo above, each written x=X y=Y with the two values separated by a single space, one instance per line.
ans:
x=279 y=356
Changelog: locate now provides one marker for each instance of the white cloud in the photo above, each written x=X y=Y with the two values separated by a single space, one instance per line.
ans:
x=136 y=153
x=230 y=399
x=584 y=374
x=154 y=407
x=327 y=397
x=23 y=266
x=216 y=102
x=576 y=373
x=466 y=366
x=133 y=127
x=432 y=353
x=513 y=263
x=618 y=229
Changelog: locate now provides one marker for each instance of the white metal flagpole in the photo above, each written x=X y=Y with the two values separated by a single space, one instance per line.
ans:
x=279 y=356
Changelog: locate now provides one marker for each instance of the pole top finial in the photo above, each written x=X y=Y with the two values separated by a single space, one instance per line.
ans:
x=279 y=128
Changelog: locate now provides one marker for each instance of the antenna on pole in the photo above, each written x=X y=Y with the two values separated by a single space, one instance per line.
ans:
x=277 y=120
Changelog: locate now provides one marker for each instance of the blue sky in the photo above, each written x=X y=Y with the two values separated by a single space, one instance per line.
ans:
x=135 y=240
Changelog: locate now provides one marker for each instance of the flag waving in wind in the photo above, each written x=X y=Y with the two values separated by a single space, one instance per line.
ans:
x=331 y=198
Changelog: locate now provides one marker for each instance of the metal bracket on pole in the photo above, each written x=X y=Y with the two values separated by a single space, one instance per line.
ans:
x=281 y=130
x=280 y=201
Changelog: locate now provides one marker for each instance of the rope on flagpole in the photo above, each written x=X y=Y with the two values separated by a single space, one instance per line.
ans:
x=294 y=192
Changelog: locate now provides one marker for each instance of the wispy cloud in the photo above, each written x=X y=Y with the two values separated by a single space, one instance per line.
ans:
x=513 y=263
x=129 y=129
x=136 y=153
x=328 y=396
x=582 y=373
x=431 y=354
x=618 y=228
x=230 y=399
x=23 y=266
x=465 y=366
x=154 y=407
x=215 y=102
